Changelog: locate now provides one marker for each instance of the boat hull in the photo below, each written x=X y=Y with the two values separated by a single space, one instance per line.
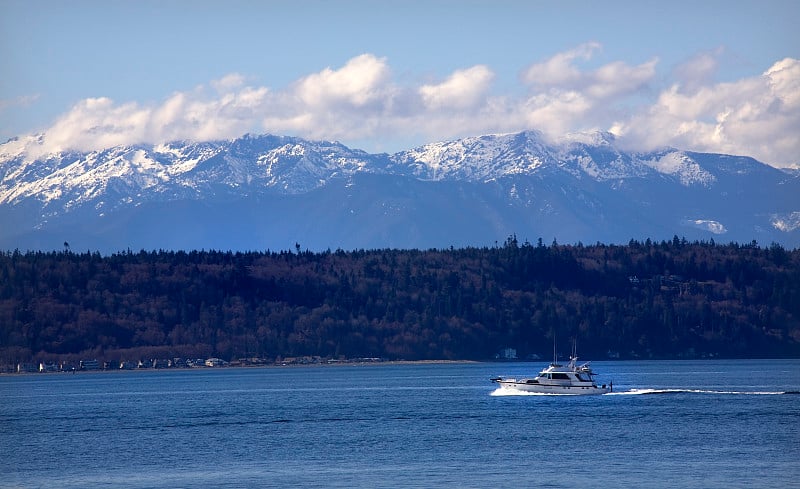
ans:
x=562 y=390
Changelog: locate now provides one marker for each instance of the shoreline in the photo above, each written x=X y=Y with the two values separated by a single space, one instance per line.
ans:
x=354 y=363
x=344 y=363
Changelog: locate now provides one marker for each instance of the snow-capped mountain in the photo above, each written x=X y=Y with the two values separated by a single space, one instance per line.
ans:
x=136 y=174
x=258 y=192
x=487 y=158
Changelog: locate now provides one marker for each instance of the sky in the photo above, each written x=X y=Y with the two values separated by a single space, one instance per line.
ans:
x=716 y=76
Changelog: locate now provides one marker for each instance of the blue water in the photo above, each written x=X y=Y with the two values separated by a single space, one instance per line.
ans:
x=710 y=424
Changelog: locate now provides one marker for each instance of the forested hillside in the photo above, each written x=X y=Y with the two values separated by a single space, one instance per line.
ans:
x=670 y=299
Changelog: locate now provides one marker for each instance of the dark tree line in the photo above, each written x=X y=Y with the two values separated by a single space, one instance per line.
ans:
x=671 y=299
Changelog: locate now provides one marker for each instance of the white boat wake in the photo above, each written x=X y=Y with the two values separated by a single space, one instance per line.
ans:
x=640 y=392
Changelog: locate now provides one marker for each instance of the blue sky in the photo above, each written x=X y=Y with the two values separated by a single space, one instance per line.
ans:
x=702 y=75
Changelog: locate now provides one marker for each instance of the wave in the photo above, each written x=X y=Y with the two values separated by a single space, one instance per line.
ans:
x=640 y=392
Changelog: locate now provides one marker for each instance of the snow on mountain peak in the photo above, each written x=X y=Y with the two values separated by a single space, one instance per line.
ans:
x=679 y=164
x=592 y=138
x=295 y=165
x=291 y=165
x=709 y=225
x=479 y=158
x=580 y=187
x=787 y=222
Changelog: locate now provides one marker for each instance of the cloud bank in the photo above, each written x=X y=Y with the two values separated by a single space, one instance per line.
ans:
x=757 y=116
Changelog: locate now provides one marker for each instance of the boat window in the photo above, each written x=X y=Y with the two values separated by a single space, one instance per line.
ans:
x=559 y=376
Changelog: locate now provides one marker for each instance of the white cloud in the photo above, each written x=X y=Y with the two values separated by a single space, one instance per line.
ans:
x=21 y=101
x=557 y=112
x=566 y=98
x=360 y=101
x=757 y=116
x=361 y=81
x=560 y=73
x=698 y=70
x=559 y=70
x=462 y=89
x=228 y=83
x=96 y=123
x=619 y=79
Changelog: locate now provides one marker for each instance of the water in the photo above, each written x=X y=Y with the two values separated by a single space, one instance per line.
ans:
x=711 y=424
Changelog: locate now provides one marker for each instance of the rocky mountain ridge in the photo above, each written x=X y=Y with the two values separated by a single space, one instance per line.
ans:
x=473 y=191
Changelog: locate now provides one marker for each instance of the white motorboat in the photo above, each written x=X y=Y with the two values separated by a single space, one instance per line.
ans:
x=571 y=379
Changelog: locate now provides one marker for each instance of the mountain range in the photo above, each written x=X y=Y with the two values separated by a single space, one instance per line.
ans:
x=262 y=192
